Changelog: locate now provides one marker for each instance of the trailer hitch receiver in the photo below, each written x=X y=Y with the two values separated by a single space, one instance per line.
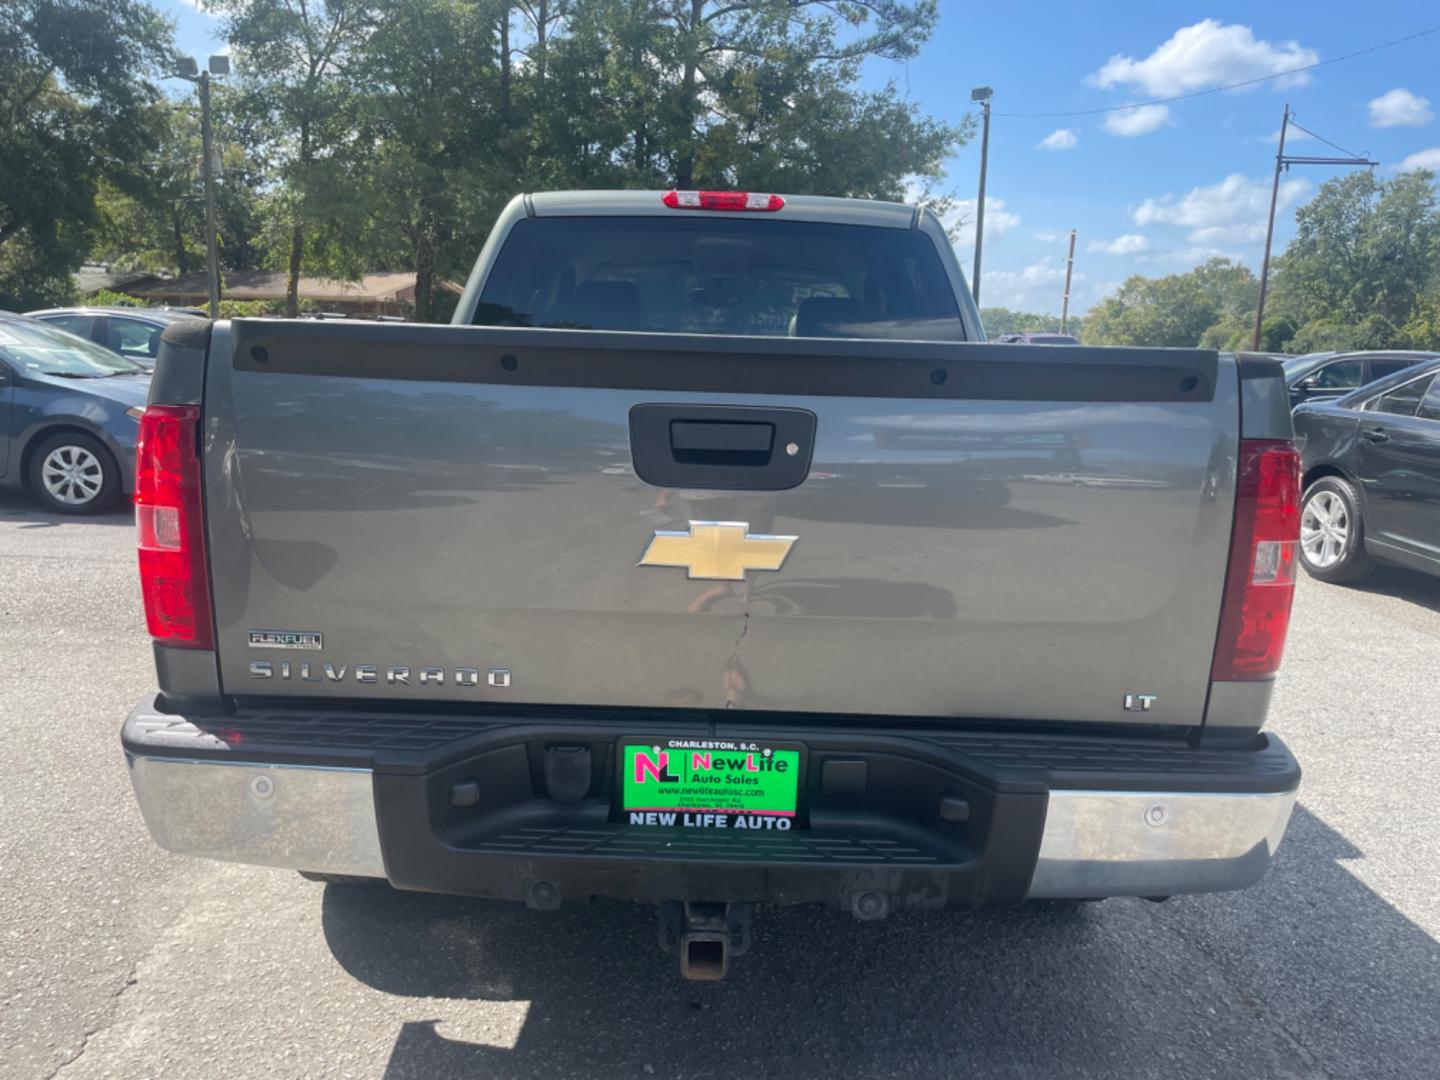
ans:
x=705 y=935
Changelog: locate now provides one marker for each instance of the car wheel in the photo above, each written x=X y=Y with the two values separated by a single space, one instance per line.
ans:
x=72 y=473
x=1332 y=532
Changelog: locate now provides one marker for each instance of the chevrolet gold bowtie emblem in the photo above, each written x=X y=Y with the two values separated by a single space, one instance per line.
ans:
x=717 y=550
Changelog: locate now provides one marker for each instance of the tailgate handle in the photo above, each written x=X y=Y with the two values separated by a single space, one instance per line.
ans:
x=724 y=447
x=721 y=441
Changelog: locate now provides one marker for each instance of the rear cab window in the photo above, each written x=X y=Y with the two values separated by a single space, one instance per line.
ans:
x=721 y=275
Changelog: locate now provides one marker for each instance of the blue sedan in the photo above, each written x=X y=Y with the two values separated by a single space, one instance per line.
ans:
x=69 y=415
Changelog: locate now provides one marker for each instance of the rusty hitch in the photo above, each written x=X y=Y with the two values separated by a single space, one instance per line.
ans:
x=705 y=935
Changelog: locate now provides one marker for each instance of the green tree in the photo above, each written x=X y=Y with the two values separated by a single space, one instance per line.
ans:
x=1178 y=310
x=151 y=216
x=761 y=95
x=462 y=104
x=79 y=103
x=999 y=320
x=1338 y=335
x=1363 y=248
x=1422 y=331
x=433 y=110
x=300 y=110
x=1363 y=272
x=1228 y=335
x=1276 y=333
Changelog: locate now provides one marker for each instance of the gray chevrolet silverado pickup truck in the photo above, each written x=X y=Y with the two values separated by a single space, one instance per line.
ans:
x=711 y=558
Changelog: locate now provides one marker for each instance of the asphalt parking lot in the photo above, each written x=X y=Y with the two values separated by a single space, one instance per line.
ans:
x=118 y=959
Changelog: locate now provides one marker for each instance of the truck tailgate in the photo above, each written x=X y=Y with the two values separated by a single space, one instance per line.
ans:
x=453 y=514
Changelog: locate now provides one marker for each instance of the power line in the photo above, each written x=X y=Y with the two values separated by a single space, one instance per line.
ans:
x=1228 y=86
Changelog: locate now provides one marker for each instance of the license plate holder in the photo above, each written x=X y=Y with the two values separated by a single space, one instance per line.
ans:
x=699 y=783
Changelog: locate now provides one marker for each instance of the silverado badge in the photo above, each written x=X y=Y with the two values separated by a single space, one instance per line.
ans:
x=718 y=550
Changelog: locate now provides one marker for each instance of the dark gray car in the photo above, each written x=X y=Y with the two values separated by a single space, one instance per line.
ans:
x=134 y=333
x=1037 y=337
x=1325 y=376
x=1371 y=465
x=69 y=415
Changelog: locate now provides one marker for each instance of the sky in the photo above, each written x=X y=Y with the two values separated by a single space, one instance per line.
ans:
x=1156 y=189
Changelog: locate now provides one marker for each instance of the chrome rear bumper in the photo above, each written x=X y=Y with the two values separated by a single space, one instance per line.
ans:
x=1132 y=843
x=300 y=817
x=1094 y=843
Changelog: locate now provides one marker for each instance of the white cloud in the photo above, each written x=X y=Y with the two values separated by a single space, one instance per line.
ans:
x=1292 y=135
x=1094 y=294
x=1140 y=120
x=1060 y=139
x=1046 y=236
x=1422 y=159
x=1206 y=55
x=998 y=220
x=1400 y=108
x=1232 y=211
x=1129 y=244
x=1038 y=287
x=1194 y=256
x=1248 y=233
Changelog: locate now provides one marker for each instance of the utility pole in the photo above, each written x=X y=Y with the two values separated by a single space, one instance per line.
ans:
x=1065 y=301
x=982 y=94
x=1270 y=229
x=1282 y=162
x=190 y=72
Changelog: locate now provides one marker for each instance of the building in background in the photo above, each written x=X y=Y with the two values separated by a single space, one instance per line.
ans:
x=373 y=294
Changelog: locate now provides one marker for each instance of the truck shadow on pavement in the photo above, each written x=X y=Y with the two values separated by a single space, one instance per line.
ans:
x=1310 y=972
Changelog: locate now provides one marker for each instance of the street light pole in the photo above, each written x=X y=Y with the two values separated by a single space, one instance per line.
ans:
x=982 y=94
x=207 y=171
x=190 y=72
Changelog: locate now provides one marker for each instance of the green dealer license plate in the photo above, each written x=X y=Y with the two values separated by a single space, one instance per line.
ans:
x=710 y=784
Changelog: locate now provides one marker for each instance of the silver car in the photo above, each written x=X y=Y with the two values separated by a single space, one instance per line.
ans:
x=133 y=333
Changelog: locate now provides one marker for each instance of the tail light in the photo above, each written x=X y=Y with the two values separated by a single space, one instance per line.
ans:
x=721 y=200
x=1260 y=582
x=169 y=527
